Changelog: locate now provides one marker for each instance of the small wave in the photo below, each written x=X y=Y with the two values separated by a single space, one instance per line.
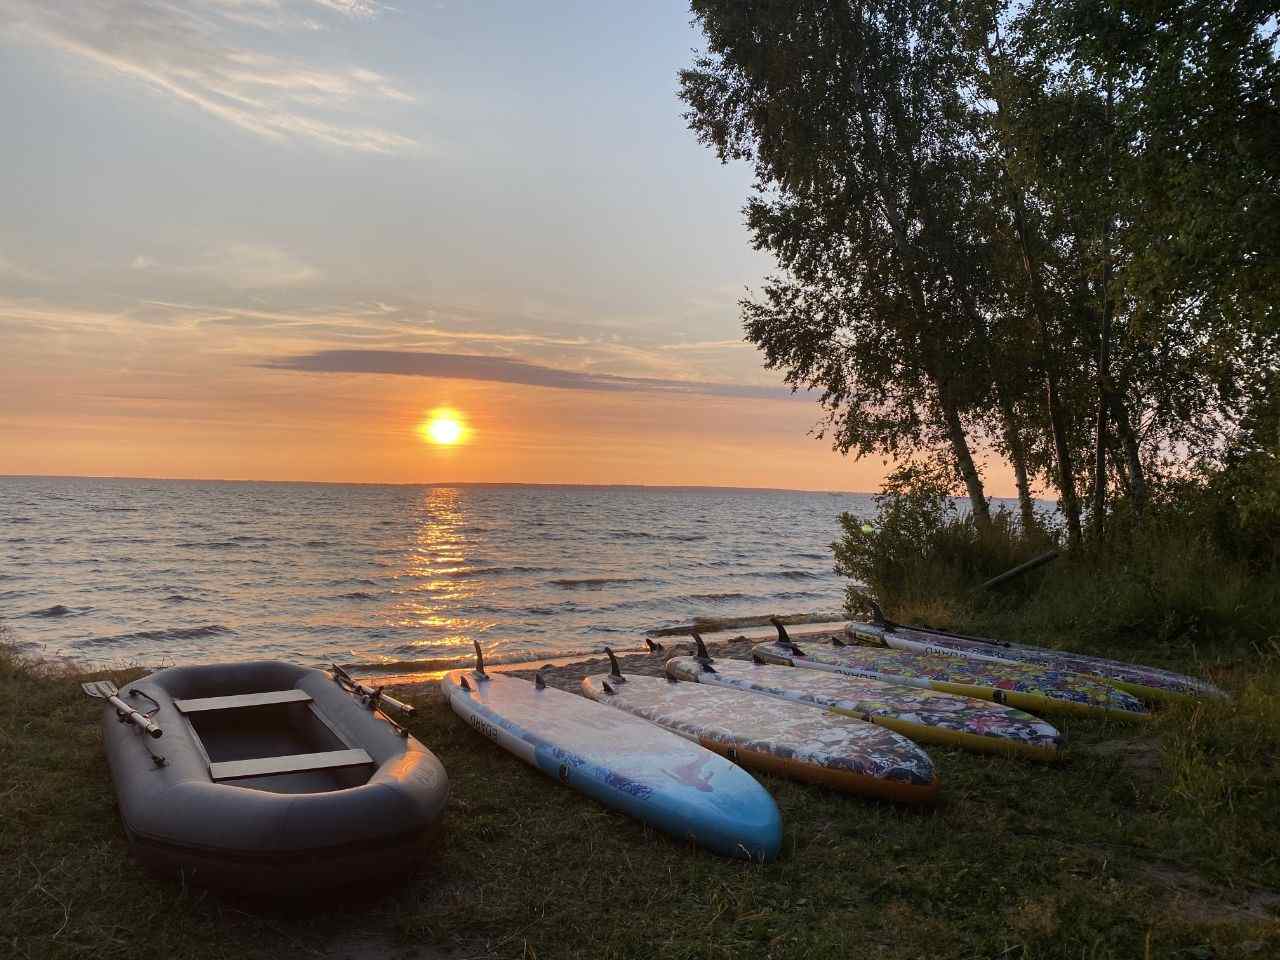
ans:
x=795 y=575
x=142 y=636
x=18 y=520
x=317 y=543
x=717 y=597
x=686 y=537
x=356 y=595
x=208 y=544
x=115 y=509
x=247 y=538
x=503 y=571
x=179 y=598
x=58 y=610
x=591 y=583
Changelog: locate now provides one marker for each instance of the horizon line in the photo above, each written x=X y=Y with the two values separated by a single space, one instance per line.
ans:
x=439 y=483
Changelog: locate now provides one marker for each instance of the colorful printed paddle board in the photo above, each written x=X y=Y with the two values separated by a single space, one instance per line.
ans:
x=624 y=762
x=1146 y=683
x=926 y=716
x=1036 y=689
x=777 y=736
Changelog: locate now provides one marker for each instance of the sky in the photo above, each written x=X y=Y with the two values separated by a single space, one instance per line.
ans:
x=265 y=239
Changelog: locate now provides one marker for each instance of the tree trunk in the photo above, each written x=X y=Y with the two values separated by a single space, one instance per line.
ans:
x=1132 y=454
x=950 y=413
x=964 y=458
x=1018 y=458
x=1104 y=356
x=1057 y=415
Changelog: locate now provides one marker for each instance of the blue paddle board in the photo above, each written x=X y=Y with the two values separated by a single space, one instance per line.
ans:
x=622 y=761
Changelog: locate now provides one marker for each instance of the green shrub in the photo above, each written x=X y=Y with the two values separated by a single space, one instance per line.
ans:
x=1193 y=576
x=922 y=554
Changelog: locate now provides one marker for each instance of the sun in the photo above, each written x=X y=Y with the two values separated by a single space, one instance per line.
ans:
x=442 y=427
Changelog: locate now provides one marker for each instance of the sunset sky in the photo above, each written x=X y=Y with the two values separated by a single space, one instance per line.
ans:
x=265 y=238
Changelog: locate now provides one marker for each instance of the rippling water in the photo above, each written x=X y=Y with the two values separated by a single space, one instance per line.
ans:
x=395 y=577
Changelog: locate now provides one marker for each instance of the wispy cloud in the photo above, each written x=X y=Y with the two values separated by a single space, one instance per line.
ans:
x=241 y=266
x=448 y=366
x=16 y=271
x=203 y=58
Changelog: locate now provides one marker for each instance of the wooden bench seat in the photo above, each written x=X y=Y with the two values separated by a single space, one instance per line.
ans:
x=242 y=700
x=293 y=763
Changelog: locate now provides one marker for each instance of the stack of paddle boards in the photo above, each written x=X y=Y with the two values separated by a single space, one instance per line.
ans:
x=1147 y=683
x=624 y=762
x=778 y=736
x=1037 y=688
x=924 y=715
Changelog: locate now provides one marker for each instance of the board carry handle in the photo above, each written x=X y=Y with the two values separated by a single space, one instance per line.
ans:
x=784 y=638
x=703 y=658
x=106 y=690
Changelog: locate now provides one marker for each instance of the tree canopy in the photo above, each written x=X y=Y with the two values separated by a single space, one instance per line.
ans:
x=1047 y=231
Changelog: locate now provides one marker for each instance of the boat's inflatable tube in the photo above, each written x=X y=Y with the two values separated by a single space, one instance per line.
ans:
x=224 y=807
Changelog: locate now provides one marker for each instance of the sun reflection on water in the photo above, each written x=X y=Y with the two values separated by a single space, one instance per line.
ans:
x=434 y=592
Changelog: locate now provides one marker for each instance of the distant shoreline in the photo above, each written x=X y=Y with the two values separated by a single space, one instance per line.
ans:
x=471 y=483
x=444 y=483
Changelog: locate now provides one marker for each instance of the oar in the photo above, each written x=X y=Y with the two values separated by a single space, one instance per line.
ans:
x=106 y=690
x=373 y=698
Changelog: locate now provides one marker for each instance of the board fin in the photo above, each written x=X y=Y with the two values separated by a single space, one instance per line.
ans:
x=615 y=671
x=539 y=681
x=877 y=615
x=703 y=658
x=654 y=647
x=479 y=671
x=607 y=687
x=837 y=642
x=784 y=638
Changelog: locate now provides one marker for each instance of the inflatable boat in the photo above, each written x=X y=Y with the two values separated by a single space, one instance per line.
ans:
x=268 y=778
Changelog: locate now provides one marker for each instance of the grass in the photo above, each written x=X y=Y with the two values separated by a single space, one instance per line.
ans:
x=1152 y=841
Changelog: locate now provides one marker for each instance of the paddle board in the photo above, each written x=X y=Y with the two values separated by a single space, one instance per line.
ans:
x=782 y=737
x=624 y=762
x=1034 y=688
x=1146 y=683
x=926 y=716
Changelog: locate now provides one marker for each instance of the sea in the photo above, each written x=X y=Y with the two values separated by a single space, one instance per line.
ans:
x=395 y=579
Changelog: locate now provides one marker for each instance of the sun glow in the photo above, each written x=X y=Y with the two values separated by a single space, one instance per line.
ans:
x=443 y=427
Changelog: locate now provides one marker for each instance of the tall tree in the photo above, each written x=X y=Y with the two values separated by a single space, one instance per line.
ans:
x=854 y=120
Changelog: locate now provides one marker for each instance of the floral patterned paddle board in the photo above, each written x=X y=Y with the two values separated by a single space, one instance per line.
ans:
x=926 y=716
x=783 y=737
x=1146 y=683
x=1035 y=688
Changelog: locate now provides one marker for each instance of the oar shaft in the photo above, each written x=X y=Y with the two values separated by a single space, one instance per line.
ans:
x=396 y=704
x=135 y=717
